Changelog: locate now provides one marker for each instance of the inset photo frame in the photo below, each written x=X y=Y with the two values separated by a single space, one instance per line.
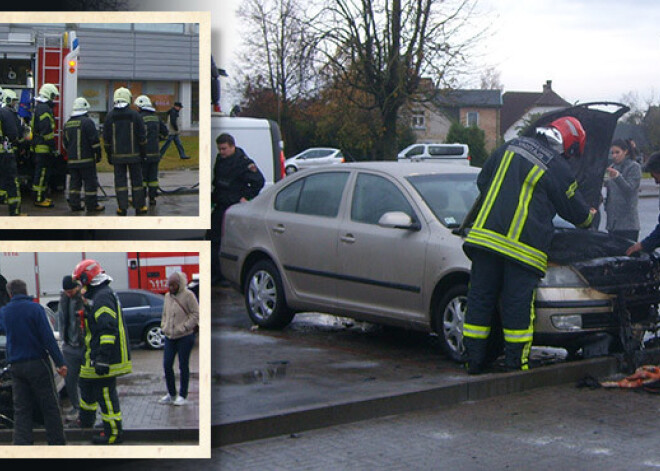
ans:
x=106 y=120
x=136 y=305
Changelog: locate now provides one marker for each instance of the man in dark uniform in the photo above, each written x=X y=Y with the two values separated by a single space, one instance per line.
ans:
x=43 y=143
x=523 y=185
x=124 y=139
x=107 y=354
x=236 y=179
x=156 y=132
x=9 y=137
x=174 y=129
x=83 y=148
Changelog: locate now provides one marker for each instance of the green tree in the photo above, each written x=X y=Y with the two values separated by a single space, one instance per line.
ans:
x=475 y=139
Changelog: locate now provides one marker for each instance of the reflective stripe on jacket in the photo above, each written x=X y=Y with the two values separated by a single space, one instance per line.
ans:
x=43 y=128
x=81 y=140
x=524 y=184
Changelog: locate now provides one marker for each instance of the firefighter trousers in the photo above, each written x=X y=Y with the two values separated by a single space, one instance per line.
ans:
x=122 y=171
x=101 y=393
x=10 y=186
x=43 y=168
x=80 y=176
x=499 y=285
x=150 y=178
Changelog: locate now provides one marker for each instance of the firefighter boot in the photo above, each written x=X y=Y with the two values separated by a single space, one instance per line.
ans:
x=476 y=354
x=516 y=356
x=107 y=437
x=44 y=203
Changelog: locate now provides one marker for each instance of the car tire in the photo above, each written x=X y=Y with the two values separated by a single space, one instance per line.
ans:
x=448 y=318
x=290 y=170
x=264 y=297
x=153 y=337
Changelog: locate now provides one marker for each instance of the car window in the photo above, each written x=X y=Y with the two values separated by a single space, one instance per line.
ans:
x=374 y=196
x=449 y=196
x=318 y=195
x=417 y=150
x=324 y=153
x=445 y=150
x=129 y=300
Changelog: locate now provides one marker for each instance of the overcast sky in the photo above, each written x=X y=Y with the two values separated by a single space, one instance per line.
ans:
x=592 y=50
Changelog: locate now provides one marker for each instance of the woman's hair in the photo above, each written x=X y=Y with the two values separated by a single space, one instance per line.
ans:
x=621 y=144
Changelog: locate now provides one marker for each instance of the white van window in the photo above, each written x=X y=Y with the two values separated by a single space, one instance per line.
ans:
x=445 y=150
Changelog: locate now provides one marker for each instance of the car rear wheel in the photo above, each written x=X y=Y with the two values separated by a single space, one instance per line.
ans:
x=264 y=297
x=154 y=338
x=290 y=170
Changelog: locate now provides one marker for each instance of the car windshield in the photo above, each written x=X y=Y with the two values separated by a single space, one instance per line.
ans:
x=449 y=196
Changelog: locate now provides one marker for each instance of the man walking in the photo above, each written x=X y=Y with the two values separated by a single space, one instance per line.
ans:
x=156 y=132
x=174 y=129
x=71 y=311
x=236 y=179
x=83 y=148
x=30 y=341
x=106 y=356
x=124 y=139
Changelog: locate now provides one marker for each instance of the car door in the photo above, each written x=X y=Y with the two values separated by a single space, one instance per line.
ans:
x=136 y=310
x=381 y=269
x=303 y=225
x=318 y=157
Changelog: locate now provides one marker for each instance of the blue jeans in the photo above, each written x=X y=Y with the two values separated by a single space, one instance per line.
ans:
x=181 y=347
x=177 y=142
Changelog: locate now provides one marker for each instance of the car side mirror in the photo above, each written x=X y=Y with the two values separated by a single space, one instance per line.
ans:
x=398 y=220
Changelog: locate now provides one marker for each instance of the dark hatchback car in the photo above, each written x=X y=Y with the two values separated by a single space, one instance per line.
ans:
x=142 y=314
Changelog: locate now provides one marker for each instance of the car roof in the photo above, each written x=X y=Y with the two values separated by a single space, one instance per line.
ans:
x=137 y=290
x=404 y=169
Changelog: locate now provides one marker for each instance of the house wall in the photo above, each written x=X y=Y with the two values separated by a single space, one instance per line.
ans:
x=436 y=126
x=519 y=125
x=489 y=122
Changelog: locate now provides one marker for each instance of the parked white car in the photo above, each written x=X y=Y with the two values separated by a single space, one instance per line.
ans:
x=444 y=153
x=313 y=157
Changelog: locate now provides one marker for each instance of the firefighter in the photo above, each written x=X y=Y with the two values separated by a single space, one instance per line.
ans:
x=43 y=143
x=124 y=139
x=107 y=354
x=523 y=185
x=9 y=138
x=83 y=148
x=156 y=132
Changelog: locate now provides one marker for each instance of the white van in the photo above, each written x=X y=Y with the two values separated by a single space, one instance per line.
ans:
x=449 y=153
x=259 y=138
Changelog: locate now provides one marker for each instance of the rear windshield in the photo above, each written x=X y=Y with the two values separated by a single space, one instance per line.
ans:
x=446 y=150
x=449 y=196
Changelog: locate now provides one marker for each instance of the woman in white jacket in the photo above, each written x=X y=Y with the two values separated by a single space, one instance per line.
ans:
x=179 y=325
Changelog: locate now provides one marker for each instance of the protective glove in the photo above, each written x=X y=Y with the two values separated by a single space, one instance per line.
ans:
x=101 y=369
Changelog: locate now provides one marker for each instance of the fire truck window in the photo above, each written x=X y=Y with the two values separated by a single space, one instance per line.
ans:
x=129 y=300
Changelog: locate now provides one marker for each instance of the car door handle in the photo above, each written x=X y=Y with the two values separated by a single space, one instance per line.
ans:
x=348 y=238
x=279 y=229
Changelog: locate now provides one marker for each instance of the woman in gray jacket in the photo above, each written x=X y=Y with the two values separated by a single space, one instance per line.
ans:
x=624 y=176
x=179 y=325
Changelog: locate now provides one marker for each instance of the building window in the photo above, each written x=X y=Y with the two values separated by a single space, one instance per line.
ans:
x=418 y=121
x=472 y=118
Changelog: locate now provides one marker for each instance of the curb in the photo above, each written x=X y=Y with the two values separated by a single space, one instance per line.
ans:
x=131 y=437
x=342 y=412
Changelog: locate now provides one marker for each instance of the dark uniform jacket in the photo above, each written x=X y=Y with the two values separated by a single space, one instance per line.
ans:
x=43 y=128
x=124 y=136
x=106 y=339
x=156 y=132
x=523 y=185
x=81 y=140
x=235 y=177
x=8 y=131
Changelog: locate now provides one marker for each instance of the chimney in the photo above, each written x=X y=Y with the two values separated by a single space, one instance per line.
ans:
x=547 y=86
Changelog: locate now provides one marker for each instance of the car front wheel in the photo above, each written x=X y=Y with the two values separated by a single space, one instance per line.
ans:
x=154 y=338
x=264 y=297
x=448 y=316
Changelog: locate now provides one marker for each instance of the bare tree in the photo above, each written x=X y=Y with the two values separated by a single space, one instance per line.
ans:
x=383 y=48
x=490 y=79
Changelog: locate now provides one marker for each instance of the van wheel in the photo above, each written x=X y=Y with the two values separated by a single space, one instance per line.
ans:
x=264 y=297
x=290 y=170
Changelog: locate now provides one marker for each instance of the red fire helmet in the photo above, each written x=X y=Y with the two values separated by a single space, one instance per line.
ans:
x=86 y=271
x=572 y=134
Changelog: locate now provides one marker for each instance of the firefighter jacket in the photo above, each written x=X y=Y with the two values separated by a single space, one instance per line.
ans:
x=156 y=132
x=8 y=131
x=43 y=128
x=81 y=141
x=106 y=338
x=523 y=185
x=124 y=136
x=235 y=177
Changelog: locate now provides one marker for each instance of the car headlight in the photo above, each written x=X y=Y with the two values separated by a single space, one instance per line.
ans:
x=567 y=323
x=562 y=276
